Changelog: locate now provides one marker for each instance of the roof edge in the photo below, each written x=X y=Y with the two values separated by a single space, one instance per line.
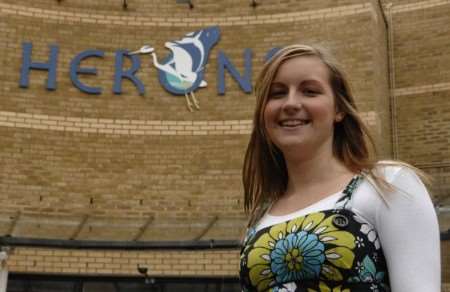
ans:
x=119 y=245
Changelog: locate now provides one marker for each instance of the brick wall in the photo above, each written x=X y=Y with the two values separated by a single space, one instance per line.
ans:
x=106 y=263
x=445 y=250
x=165 y=262
x=380 y=75
x=420 y=57
x=422 y=74
x=66 y=152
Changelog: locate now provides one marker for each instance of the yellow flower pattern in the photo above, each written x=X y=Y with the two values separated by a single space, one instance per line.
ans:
x=300 y=249
x=319 y=252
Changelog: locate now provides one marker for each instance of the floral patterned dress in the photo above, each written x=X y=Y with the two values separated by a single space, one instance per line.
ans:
x=333 y=251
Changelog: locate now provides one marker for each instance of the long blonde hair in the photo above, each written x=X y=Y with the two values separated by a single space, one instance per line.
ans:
x=265 y=175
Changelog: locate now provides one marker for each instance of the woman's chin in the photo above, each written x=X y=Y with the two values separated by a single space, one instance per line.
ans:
x=293 y=144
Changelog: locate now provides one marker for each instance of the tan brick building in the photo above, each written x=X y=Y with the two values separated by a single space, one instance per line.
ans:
x=155 y=182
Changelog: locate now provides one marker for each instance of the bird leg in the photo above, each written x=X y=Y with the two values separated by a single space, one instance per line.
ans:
x=195 y=101
x=188 y=102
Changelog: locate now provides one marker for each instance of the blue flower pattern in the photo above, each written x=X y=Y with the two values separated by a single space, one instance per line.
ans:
x=298 y=256
x=367 y=273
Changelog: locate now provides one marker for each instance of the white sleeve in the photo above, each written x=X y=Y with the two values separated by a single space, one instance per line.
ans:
x=409 y=234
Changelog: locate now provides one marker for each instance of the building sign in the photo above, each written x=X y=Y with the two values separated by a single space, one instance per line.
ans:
x=180 y=73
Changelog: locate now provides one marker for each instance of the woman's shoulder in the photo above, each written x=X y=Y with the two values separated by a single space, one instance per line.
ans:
x=395 y=184
x=393 y=178
x=395 y=171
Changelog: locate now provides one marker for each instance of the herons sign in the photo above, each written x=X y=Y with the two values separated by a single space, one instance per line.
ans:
x=182 y=72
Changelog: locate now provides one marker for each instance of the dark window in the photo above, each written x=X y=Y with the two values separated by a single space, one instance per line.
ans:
x=46 y=283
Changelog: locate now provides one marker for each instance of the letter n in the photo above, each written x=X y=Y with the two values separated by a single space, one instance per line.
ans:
x=244 y=81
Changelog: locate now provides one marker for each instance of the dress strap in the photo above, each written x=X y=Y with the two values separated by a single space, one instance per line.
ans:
x=348 y=192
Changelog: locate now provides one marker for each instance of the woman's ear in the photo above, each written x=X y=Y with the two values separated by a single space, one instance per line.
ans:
x=339 y=117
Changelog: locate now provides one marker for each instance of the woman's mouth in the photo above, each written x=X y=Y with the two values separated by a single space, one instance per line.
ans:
x=292 y=123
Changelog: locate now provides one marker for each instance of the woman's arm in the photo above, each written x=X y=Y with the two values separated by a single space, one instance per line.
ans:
x=409 y=234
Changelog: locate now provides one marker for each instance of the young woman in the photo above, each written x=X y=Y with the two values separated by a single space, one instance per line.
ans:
x=324 y=216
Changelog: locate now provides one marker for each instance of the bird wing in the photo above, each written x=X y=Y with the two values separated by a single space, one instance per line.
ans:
x=182 y=61
x=195 y=41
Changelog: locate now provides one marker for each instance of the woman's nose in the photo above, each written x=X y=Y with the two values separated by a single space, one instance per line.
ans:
x=292 y=102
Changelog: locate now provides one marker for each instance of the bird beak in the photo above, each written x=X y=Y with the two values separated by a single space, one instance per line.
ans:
x=134 y=52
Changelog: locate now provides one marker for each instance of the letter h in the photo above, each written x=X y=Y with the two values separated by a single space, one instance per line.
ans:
x=27 y=65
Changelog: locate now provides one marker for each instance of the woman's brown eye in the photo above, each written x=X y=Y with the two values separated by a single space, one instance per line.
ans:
x=310 y=92
x=276 y=94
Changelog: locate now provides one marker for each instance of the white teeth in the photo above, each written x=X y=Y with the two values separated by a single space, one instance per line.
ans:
x=293 y=123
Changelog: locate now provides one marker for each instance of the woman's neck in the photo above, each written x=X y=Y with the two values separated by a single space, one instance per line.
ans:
x=316 y=169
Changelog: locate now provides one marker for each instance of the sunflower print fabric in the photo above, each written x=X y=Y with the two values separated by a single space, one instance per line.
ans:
x=322 y=251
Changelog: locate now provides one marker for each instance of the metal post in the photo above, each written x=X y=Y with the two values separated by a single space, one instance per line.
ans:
x=3 y=270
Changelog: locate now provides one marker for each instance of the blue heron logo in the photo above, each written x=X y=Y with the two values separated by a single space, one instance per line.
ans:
x=182 y=71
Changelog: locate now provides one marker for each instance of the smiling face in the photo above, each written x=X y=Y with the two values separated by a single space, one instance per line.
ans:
x=300 y=112
x=324 y=116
